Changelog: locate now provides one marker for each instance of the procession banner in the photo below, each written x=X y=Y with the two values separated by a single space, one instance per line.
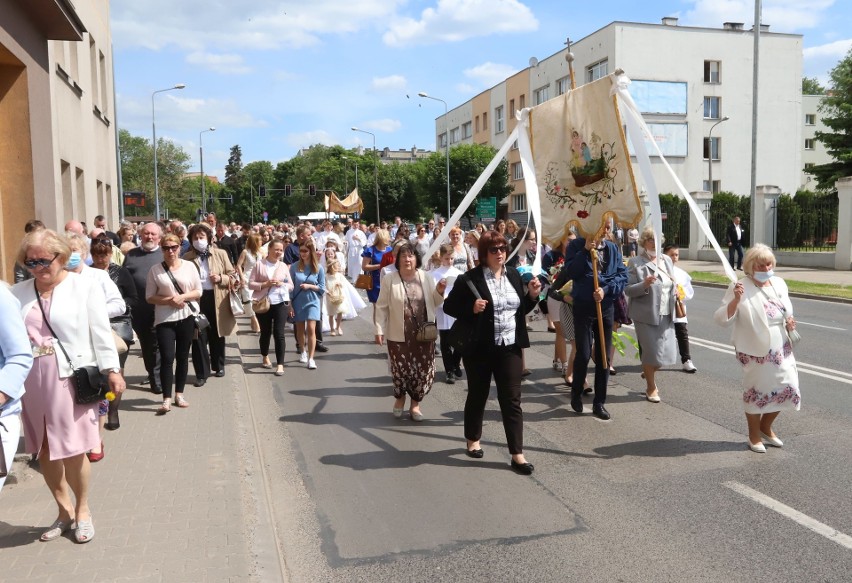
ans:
x=350 y=204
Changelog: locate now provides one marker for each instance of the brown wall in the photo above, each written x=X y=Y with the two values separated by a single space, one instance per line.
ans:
x=517 y=89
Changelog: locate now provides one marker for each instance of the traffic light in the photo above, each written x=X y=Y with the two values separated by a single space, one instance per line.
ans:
x=312 y=190
x=261 y=190
x=288 y=190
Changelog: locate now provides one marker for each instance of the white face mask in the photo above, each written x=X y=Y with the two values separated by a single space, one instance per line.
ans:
x=652 y=254
x=763 y=276
x=200 y=245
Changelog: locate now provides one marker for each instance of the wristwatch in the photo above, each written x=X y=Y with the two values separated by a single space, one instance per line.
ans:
x=115 y=370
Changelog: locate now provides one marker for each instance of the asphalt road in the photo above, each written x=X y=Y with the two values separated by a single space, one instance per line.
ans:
x=664 y=492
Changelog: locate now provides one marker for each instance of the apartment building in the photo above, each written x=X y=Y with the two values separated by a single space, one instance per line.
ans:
x=57 y=131
x=685 y=80
x=813 y=151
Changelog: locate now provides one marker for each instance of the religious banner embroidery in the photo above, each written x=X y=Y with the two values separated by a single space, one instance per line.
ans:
x=350 y=204
x=582 y=163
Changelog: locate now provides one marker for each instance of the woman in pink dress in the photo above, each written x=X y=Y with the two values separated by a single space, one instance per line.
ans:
x=55 y=427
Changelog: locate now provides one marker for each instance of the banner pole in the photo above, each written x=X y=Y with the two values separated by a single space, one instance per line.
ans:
x=598 y=306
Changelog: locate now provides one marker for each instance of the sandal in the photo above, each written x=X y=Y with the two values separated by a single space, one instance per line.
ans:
x=164 y=408
x=181 y=402
x=267 y=364
x=57 y=529
x=85 y=531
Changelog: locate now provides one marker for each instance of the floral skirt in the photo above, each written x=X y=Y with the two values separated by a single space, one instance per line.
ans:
x=412 y=366
x=771 y=382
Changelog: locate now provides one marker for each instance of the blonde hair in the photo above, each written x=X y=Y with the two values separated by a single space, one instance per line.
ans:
x=313 y=261
x=757 y=253
x=333 y=267
x=78 y=243
x=170 y=237
x=648 y=234
x=47 y=239
x=382 y=238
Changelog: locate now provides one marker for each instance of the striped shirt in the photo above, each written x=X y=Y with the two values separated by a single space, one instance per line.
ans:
x=506 y=303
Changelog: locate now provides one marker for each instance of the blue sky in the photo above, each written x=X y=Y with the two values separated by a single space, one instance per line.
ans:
x=274 y=76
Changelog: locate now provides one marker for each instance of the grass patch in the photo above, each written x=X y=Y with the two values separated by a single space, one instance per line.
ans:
x=802 y=287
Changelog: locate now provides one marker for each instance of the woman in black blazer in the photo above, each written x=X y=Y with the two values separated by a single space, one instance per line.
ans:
x=497 y=313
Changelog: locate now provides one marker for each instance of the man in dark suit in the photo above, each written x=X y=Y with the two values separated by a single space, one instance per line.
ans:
x=612 y=277
x=735 y=243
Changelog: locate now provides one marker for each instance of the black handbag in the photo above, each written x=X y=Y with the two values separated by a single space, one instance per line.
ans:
x=89 y=384
x=3 y=470
x=121 y=326
x=464 y=334
x=201 y=321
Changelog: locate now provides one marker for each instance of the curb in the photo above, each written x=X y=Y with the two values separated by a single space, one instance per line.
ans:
x=832 y=299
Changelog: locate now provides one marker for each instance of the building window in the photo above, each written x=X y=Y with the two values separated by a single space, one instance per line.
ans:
x=809 y=166
x=596 y=71
x=476 y=123
x=711 y=148
x=511 y=107
x=541 y=95
x=454 y=135
x=515 y=145
x=498 y=120
x=523 y=101
x=485 y=121
x=517 y=171
x=810 y=119
x=563 y=85
x=465 y=131
x=442 y=140
x=809 y=143
x=717 y=186
x=519 y=203
x=712 y=71
x=712 y=107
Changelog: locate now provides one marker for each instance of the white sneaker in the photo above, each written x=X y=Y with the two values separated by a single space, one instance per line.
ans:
x=303 y=358
x=311 y=364
x=689 y=367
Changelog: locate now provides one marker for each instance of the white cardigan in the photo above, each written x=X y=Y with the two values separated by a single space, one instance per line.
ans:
x=750 y=333
x=390 y=307
x=78 y=315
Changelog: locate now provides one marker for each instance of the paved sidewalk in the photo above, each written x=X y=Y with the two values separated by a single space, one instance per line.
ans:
x=171 y=501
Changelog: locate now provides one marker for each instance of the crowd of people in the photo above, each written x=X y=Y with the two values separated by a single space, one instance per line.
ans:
x=177 y=292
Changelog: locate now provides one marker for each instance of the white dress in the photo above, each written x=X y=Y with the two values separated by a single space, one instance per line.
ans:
x=771 y=382
x=450 y=273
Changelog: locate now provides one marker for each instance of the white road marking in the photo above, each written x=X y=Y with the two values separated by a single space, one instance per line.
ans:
x=820 y=326
x=818 y=527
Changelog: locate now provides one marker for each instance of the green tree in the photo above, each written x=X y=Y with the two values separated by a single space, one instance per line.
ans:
x=836 y=109
x=788 y=221
x=234 y=167
x=811 y=86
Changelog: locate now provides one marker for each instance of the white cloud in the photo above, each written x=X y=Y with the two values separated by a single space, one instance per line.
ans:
x=384 y=126
x=834 y=50
x=228 y=64
x=309 y=138
x=457 y=20
x=261 y=24
x=176 y=114
x=781 y=15
x=489 y=74
x=390 y=83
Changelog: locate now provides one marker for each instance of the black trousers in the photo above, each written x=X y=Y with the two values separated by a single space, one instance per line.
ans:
x=174 y=339
x=216 y=342
x=143 y=325
x=450 y=357
x=273 y=324
x=738 y=249
x=682 y=335
x=585 y=331
x=505 y=364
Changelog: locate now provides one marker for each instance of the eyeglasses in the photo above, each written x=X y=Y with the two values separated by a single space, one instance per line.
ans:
x=170 y=248
x=33 y=263
x=496 y=250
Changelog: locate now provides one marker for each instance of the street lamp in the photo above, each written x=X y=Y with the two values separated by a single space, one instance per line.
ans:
x=375 y=170
x=710 y=152
x=201 y=158
x=447 y=130
x=154 y=128
x=345 y=183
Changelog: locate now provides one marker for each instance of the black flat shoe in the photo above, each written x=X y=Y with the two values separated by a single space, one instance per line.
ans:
x=199 y=382
x=475 y=453
x=458 y=372
x=157 y=390
x=320 y=347
x=220 y=373
x=576 y=402
x=601 y=413
x=112 y=426
x=525 y=468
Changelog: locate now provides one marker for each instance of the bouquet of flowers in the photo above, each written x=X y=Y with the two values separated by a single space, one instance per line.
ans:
x=681 y=293
x=556 y=268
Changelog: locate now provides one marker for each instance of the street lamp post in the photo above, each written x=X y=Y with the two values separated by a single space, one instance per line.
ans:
x=447 y=133
x=375 y=171
x=345 y=183
x=710 y=152
x=154 y=128
x=201 y=159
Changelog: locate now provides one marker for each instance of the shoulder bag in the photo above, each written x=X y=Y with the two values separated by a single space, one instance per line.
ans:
x=364 y=281
x=793 y=334
x=463 y=335
x=201 y=321
x=427 y=331
x=88 y=382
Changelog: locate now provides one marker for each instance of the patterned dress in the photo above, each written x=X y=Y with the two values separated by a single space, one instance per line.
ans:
x=412 y=362
x=771 y=382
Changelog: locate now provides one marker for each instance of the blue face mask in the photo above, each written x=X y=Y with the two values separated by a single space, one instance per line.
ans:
x=763 y=276
x=73 y=261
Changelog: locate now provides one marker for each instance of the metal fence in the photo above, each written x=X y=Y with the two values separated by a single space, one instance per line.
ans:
x=805 y=222
x=676 y=221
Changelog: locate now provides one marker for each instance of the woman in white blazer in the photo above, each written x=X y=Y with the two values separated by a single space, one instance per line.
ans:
x=758 y=309
x=406 y=301
x=55 y=427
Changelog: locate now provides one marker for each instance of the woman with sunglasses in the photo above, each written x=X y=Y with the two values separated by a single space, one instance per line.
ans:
x=64 y=312
x=308 y=279
x=496 y=312
x=175 y=298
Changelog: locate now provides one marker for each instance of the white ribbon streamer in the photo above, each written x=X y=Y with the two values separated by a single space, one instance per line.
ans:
x=638 y=130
